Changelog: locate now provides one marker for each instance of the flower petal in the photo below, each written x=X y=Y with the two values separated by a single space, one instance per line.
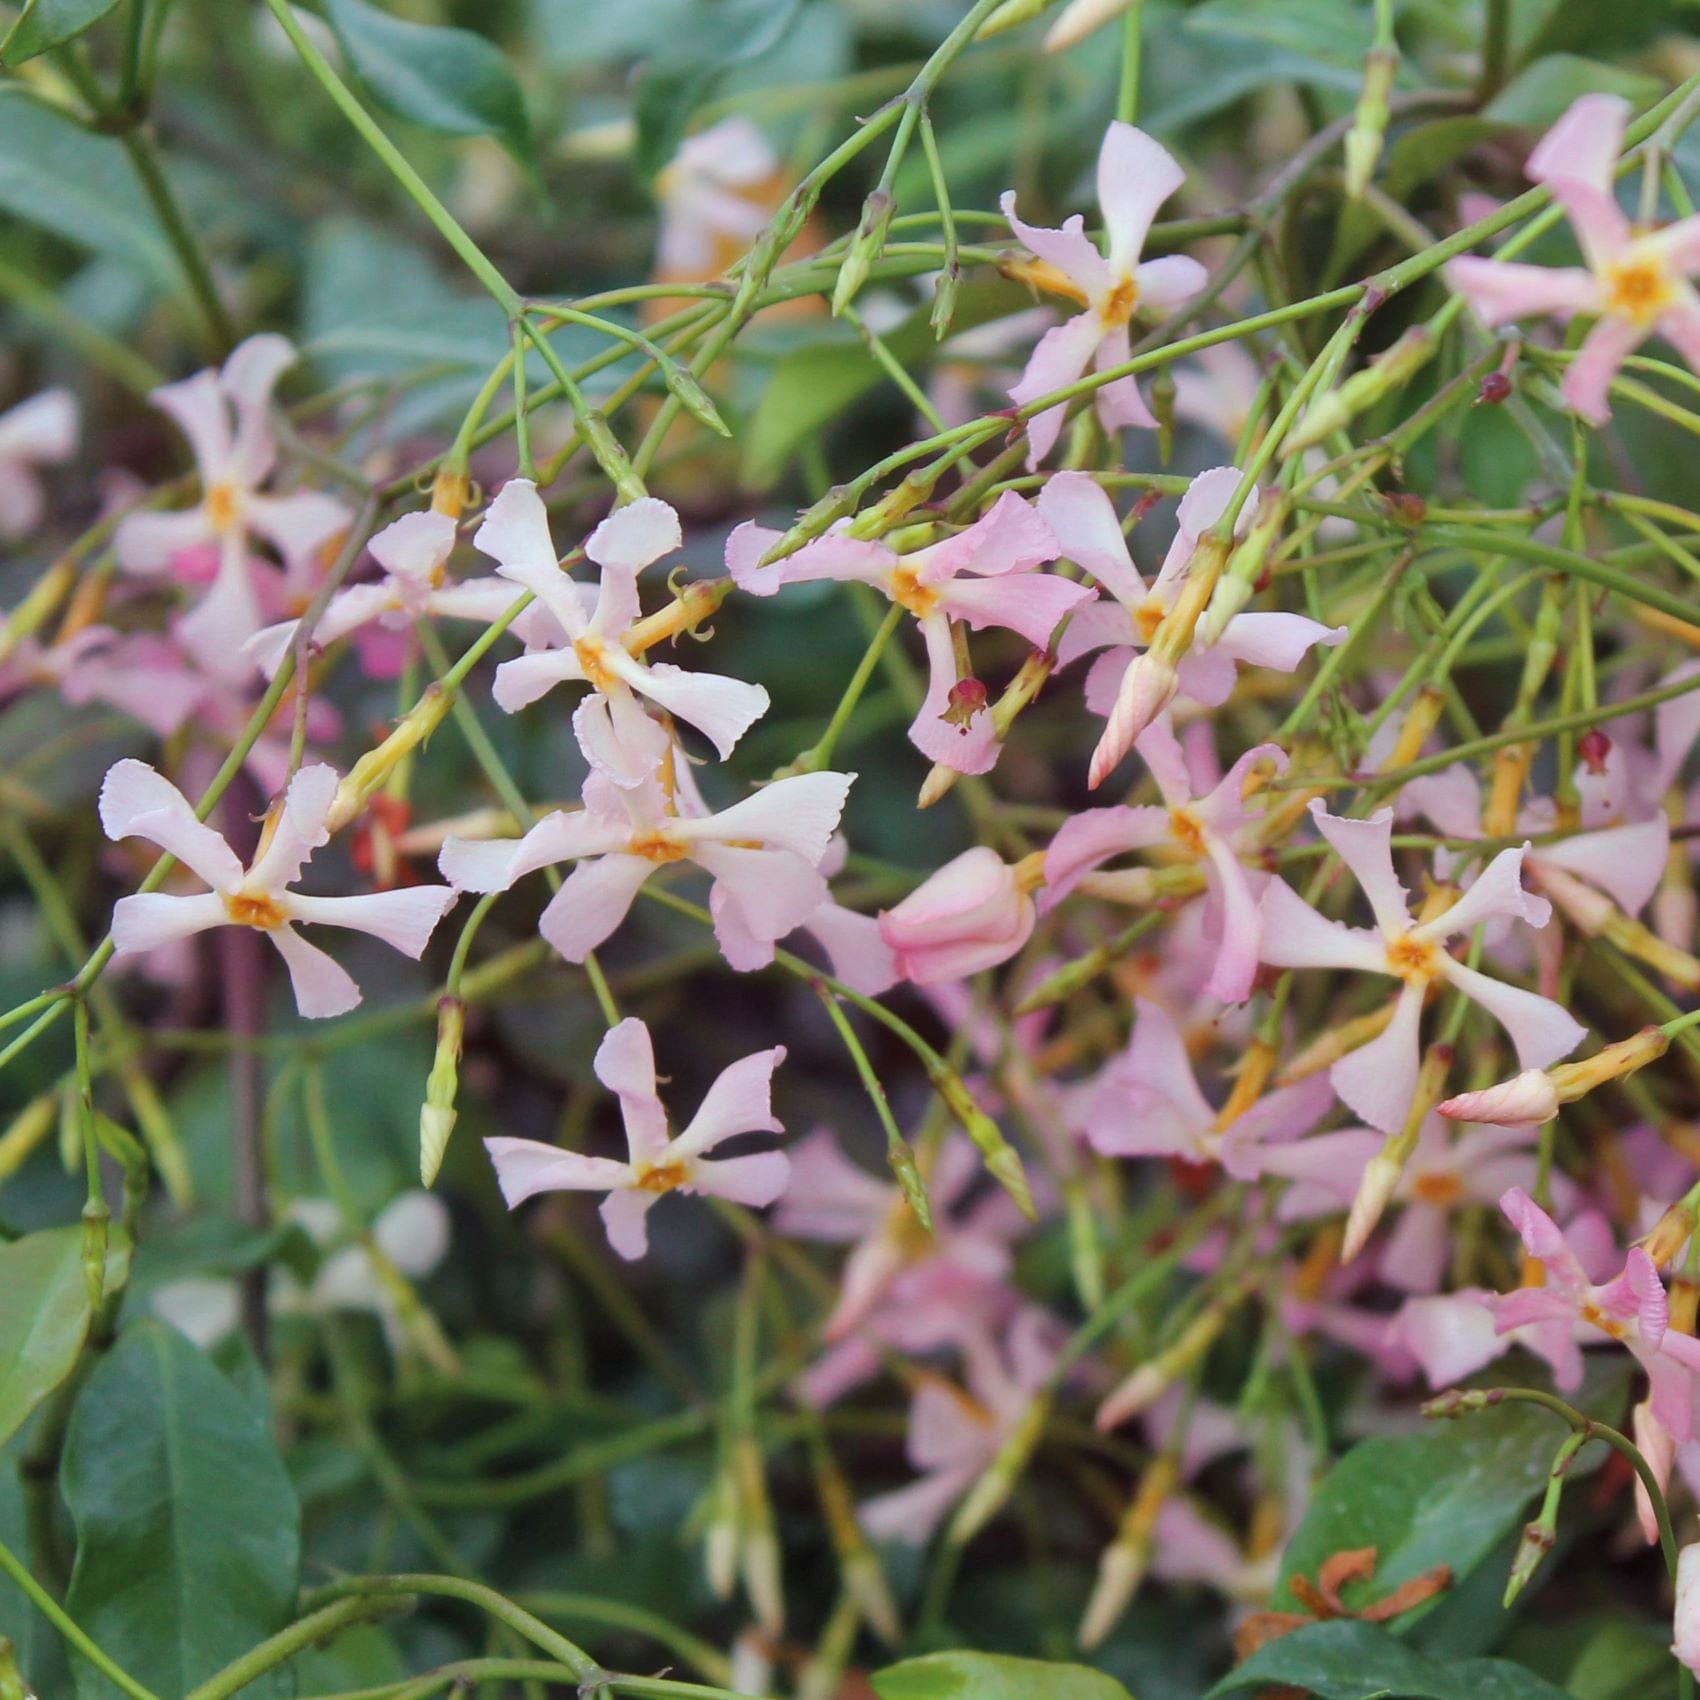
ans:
x=1083 y=520
x=526 y=1167
x=138 y=802
x=592 y=903
x=1087 y=840
x=1136 y=175
x=1060 y=356
x=1295 y=936
x=623 y=1219
x=494 y=864
x=1499 y=291
x=1366 y=847
x=1069 y=248
x=739 y=1101
x=1541 y=1030
x=515 y=530
x=722 y=709
x=756 y=1180
x=1589 y=375
x=1378 y=1080
x=148 y=919
x=625 y=1064
x=404 y=918
x=322 y=986
x=632 y=537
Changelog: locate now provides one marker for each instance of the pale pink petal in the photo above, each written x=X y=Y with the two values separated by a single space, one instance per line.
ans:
x=1069 y=249
x=1450 y=1336
x=1657 y=1445
x=1451 y=800
x=41 y=431
x=1278 y=641
x=970 y=914
x=415 y=545
x=148 y=542
x=526 y=1167
x=911 y=1514
x=1565 y=1276
x=404 y=918
x=964 y=747
x=1584 y=144
x=248 y=379
x=1161 y=751
x=592 y=903
x=1678 y=245
x=1223 y=808
x=623 y=1220
x=1166 y=283
x=1625 y=862
x=1541 y=1030
x=346 y=612
x=23 y=500
x=1206 y=676
x=1156 y=1059
x=1011 y=537
x=482 y=599
x=1496 y=891
x=1096 y=625
x=1602 y=230
x=1032 y=605
x=760 y=894
x=860 y=957
x=799 y=814
x=1061 y=355
x=302 y=826
x=1414 y=1258
x=1120 y=402
x=1589 y=376
x=522 y=680
x=1240 y=918
x=149 y=919
x=1499 y=291
x=1325 y=1169
x=722 y=709
x=739 y=1101
x=618 y=739
x=515 y=529
x=322 y=986
x=1378 y=1080
x=831 y=1198
x=1283 y=1114
x=198 y=408
x=1680 y=326
x=302 y=525
x=625 y=1064
x=137 y=802
x=756 y=1180
x=833 y=557
x=1366 y=847
x=1190 y=1548
x=1087 y=840
x=217 y=627
x=1083 y=519
x=632 y=537
x=1136 y=175
x=494 y=864
x=1295 y=936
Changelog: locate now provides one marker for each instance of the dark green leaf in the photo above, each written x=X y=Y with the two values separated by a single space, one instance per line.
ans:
x=449 y=80
x=991 y=1676
x=55 y=174
x=1446 y=1496
x=1319 y=29
x=49 y=23
x=188 y=1530
x=1344 y=1660
x=1541 y=92
x=44 y=1314
x=718 y=35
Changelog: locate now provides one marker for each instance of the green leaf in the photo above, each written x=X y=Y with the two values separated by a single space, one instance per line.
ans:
x=44 y=1315
x=1345 y=1660
x=81 y=186
x=718 y=36
x=1446 y=1496
x=49 y=23
x=1318 y=29
x=992 y=1676
x=813 y=384
x=1541 y=92
x=188 y=1530
x=449 y=80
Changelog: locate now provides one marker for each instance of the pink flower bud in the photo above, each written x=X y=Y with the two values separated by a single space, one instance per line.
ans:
x=971 y=914
x=1527 y=1097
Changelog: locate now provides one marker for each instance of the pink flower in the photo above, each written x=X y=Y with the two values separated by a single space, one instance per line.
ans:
x=36 y=433
x=984 y=576
x=972 y=914
x=1210 y=830
x=1136 y=175
x=1147 y=1103
x=705 y=196
x=413 y=551
x=223 y=414
x=956 y=1432
x=860 y=957
x=763 y=855
x=1634 y=282
x=137 y=802
x=738 y=1102
x=1378 y=1079
x=1089 y=534
x=1630 y=1309
x=1685 y=1621
x=618 y=738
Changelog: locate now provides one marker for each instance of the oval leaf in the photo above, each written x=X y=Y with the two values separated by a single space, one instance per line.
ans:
x=449 y=80
x=188 y=1530
x=992 y=1676
x=44 y=1314
x=49 y=23
x=1344 y=1660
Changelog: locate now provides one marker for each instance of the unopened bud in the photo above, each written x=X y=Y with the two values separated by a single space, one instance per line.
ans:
x=437 y=1114
x=1536 y=1542
x=12 y=1684
x=1121 y=1569
x=1380 y=1181
x=1369 y=120
x=1002 y=1160
x=370 y=772
x=1535 y=1095
x=1079 y=20
x=1525 y=1098
x=759 y=1558
x=720 y=1542
x=1152 y=1379
x=1390 y=370
x=894 y=506
x=450 y=490
x=908 y=1176
x=945 y=288
x=866 y=246
x=986 y=1497
x=1670 y=1234
x=1009 y=15
x=1147 y=688
x=28 y=1130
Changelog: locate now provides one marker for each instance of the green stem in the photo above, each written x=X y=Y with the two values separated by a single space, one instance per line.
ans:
x=67 y=1626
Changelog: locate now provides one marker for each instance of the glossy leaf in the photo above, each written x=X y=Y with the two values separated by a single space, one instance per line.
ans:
x=1346 y=1660
x=453 y=81
x=49 y=23
x=1447 y=1495
x=44 y=1315
x=188 y=1529
x=1541 y=92
x=992 y=1676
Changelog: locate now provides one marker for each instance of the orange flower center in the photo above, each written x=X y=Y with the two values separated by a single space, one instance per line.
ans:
x=661 y=1177
x=1411 y=959
x=1442 y=1189
x=1120 y=302
x=1186 y=830
x=907 y=591
x=1605 y=1324
x=221 y=505
x=595 y=669
x=659 y=846
x=1639 y=290
x=254 y=910
x=1148 y=617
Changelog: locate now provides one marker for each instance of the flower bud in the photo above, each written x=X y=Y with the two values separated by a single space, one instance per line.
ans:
x=1536 y=1542
x=971 y=914
x=437 y=1114
x=759 y=1546
x=373 y=768
x=1122 y=1566
x=1390 y=370
x=1369 y=120
x=1527 y=1097
x=986 y=1498
x=1147 y=688
x=1079 y=19
x=1151 y=1379
x=721 y=1538
x=1685 y=1641
x=1245 y=566
x=450 y=491
x=1375 y=1191
x=866 y=246
x=28 y=1130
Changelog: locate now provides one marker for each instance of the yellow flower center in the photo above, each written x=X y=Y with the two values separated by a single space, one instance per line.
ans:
x=1187 y=831
x=254 y=910
x=1639 y=289
x=1411 y=959
x=661 y=1177
x=1148 y=617
x=907 y=591
x=1605 y=1324
x=1442 y=1189
x=221 y=505
x=595 y=669
x=658 y=846
x=1120 y=303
